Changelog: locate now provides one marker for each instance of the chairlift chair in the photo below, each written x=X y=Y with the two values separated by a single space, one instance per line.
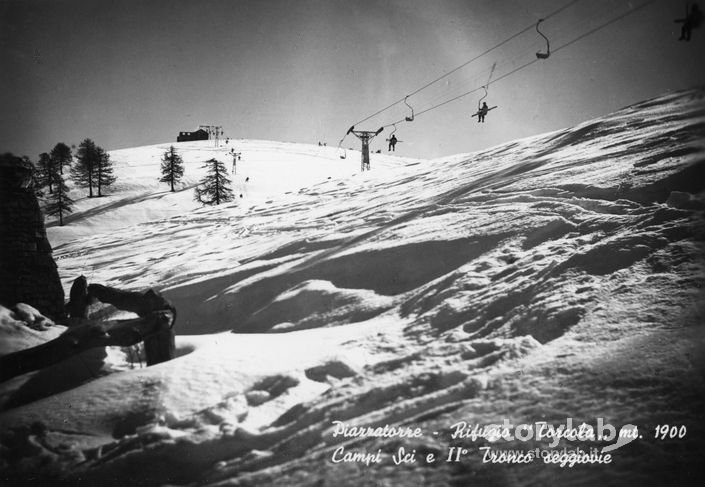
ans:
x=543 y=55
x=411 y=118
x=479 y=102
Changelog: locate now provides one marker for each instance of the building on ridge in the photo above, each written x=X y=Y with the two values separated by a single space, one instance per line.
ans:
x=199 y=134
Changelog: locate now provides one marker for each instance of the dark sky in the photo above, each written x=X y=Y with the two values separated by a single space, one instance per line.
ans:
x=135 y=72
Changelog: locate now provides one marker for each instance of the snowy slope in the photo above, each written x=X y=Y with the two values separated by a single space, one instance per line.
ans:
x=552 y=277
x=264 y=171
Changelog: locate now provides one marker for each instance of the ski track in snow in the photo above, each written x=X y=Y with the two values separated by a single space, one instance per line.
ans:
x=393 y=296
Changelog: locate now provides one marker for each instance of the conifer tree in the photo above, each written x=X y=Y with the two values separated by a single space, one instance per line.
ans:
x=172 y=167
x=44 y=174
x=93 y=168
x=214 y=188
x=104 y=172
x=59 y=203
x=61 y=156
x=83 y=171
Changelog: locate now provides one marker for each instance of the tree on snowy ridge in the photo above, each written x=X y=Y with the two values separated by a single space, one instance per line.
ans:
x=172 y=167
x=104 y=175
x=59 y=203
x=45 y=173
x=93 y=168
x=61 y=156
x=214 y=188
x=86 y=163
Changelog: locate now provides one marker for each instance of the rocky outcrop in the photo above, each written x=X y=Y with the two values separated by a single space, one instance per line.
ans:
x=28 y=273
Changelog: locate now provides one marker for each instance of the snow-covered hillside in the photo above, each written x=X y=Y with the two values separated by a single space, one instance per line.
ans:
x=264 y=170
x=559 y=276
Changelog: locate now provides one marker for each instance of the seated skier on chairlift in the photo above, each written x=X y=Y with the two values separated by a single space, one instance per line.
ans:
x=482 y=112
x=691 y=21
x=392 y=143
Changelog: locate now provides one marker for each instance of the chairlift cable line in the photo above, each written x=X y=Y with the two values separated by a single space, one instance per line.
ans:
x=525 y=29
x=483 y=182
x=478 y=185
x=529 y=63
x=448 y=73
x=600 y=27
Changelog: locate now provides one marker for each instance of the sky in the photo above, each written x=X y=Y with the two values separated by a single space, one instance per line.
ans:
x=128 y=73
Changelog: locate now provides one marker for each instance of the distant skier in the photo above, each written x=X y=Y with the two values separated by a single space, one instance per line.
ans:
x=392 y=143
x=482 y=112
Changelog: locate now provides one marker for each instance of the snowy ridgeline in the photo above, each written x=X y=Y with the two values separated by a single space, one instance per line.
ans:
x=263 y=171
x=519 y=282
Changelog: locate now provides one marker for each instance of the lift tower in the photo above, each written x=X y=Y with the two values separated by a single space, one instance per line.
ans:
x=214 y=132
x=365 y=136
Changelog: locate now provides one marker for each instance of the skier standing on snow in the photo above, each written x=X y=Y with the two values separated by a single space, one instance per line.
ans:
x=392 y=143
